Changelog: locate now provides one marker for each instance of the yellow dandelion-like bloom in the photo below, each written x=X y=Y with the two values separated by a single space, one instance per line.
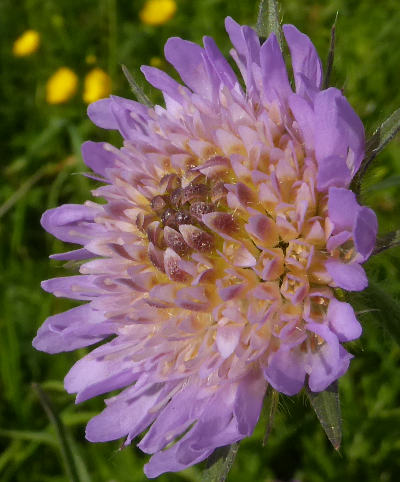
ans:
x=26 y=44
x=97 y=85
x=157 y=12
x=61 y=86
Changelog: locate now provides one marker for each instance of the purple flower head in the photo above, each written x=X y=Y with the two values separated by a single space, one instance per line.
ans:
x=228 y=222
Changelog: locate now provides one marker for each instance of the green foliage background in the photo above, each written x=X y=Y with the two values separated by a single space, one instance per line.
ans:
x=40 y=166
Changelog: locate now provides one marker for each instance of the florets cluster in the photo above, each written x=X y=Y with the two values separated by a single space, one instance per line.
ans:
x=228 y=224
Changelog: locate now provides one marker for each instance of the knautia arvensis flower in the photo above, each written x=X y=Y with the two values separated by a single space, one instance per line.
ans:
x=227 y=225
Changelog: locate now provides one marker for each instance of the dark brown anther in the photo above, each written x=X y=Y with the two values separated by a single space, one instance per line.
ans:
x=139 y=221
x=197 y=209
x=197 y=238
x=155 y=234
x=183 y=217
x=158 y=204
x=245 y=195
x=222 y=223
x=218 y=191
x=194 y=192
x=175 y=241
x=199 y=179
x=175 y=197
x=169 y=218
x=215 y=166
x=143 y=220
x=120 y=250
x=156 y=257
x=172 y=268
x=226 y=223
x=170 y=182
x=207 y=276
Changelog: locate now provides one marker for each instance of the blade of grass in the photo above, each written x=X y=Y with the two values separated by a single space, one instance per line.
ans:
x=23 y=190
x=9 y=453
x=46 y=170
x=19 y=459
x=65 y=448
x=112 y=37
x=42 y=437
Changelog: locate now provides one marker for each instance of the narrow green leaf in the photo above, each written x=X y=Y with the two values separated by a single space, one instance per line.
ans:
x=41 y=437
x=23 y=189
x=326 y=405
x=80 y=418
x=372 y=143
x=375 y=144
x=389 y=240
x=262 y=20
x=80 y=461
x=9 y=453
x=137 y=91
x=34 y=148
x=331 y=55
x=268 y=20
x=269 y=408
x=220 y=463
x=20 y=459
x=384 y=308
x=53 y=386
x=388 y=130
x=49 y=133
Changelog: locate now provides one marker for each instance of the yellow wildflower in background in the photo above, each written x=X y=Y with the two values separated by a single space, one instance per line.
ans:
x=26 y=44
x=61 y=86
x=97 y=85
x=90 y=59
x=157 y=12
x=156 y=62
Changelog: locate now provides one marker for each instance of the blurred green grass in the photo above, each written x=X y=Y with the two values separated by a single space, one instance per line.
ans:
x=41 y=168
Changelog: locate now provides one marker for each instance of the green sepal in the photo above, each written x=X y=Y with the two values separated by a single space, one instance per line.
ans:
x=268 y=20
x=382 y=306
x=331 y=56
x=326 y=405
x=219 y=463
x=270 y=406
x=389 y=240
x=137 y=91
x=375 y=144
